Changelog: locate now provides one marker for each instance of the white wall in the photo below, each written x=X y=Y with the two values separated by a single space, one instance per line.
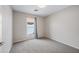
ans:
x=0 y=24
x=6 y=28
x=40 y=27
x=63 y=26
x=19 y=26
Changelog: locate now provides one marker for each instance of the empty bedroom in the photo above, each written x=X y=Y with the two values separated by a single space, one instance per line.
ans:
x=39 y=29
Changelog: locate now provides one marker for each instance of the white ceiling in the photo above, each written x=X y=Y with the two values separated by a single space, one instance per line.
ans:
x=41 y=11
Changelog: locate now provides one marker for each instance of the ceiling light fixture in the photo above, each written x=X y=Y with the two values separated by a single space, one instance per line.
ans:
x=36 y=10
x=41 y=6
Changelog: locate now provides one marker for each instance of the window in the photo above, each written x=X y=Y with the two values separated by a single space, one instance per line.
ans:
x=30 y=25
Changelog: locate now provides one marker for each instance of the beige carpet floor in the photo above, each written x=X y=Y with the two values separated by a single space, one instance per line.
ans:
x=42 y=46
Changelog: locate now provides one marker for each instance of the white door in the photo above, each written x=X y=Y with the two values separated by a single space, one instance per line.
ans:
x=30 y=27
